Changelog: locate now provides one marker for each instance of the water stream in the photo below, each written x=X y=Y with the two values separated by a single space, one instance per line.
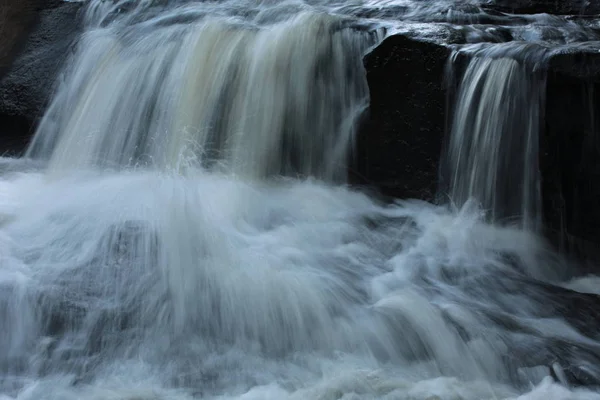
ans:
x=181 y=227
x=494 y=135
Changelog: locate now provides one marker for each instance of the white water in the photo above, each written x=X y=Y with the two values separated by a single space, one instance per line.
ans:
x=164 y=92
x=155 y=252
x=493 y=146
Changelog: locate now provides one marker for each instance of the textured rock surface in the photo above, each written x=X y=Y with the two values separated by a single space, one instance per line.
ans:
x=570 y=7
x=570 y=153
x=27 y=84
x=16 y=20
x=400 y=142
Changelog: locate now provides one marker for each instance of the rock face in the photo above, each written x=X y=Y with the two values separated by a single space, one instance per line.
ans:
x=570 y=153
x=28 y=79
x=400 y=142
x=561 y=7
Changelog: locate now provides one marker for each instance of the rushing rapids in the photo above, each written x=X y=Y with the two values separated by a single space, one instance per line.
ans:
x=181 y=229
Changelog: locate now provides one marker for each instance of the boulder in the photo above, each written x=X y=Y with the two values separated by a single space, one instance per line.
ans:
x=30 y=73
x=400 y=141
x=16 y=19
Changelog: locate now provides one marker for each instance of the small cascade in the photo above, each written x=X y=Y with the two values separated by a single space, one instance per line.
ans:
x=492 y=152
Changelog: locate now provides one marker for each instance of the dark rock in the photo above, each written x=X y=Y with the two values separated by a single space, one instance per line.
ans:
x=543 y=300
x=399 y=144
x=570 y=153
x=518 y=301
x=573 y=375
x=560 y=7
x=15 y=131
x=17 y=17
x=27 y=85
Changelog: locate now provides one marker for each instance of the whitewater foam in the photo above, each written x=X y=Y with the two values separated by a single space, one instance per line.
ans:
x=218 y=93
x=142 y=284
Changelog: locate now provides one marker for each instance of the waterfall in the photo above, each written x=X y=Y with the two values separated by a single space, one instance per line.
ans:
x=184 y=230
x=255 y=99
x=492 y=152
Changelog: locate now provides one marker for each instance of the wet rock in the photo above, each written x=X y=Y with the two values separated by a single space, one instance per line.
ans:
x=15 y=131
x=569 y=154
x=30 y=73
x=561 y=7
x=530 y=340
x=400 y=141
x=544 y=301
x=574 y=376
x=17 y=17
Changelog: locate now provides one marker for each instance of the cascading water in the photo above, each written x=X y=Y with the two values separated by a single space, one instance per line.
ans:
x=168 y=249
x=211 y=93
x=492 y=152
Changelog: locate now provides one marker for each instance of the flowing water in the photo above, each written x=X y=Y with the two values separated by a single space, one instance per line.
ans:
x=181 y=228
x=493 y=147
x=194 y=94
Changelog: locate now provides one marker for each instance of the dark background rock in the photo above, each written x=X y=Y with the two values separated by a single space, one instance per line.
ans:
x=17 y=17
x=559 y=7
x=570 y=154
x=399 y=144
x=29 y=77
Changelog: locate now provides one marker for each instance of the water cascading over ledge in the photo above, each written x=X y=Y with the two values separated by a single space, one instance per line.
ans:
x=496 y=101
x=401 y=144
x=275 y=96
x=488 y=115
